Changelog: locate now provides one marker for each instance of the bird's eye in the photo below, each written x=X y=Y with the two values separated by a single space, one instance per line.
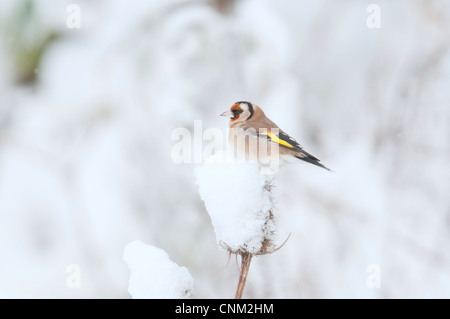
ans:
x=237 y=112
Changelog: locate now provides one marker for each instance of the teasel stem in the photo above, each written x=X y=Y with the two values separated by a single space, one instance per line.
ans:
x=246 y=259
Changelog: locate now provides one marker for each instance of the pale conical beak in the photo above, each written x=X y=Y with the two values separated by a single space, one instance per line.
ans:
x=227 y=113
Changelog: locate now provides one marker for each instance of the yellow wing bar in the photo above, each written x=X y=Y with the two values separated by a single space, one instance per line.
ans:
x=275 y=139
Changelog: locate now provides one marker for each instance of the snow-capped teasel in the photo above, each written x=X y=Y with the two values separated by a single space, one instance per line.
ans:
x=239 y=200
x=241 y=223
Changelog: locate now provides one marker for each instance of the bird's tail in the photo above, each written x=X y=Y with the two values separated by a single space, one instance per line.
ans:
x=312 y=159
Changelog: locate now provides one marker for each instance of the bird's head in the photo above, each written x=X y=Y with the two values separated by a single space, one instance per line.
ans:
x=240 y=112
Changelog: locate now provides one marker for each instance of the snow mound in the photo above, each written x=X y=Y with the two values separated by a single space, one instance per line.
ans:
x=154 y=275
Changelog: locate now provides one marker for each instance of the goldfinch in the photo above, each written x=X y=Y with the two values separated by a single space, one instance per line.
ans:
x=249 y=124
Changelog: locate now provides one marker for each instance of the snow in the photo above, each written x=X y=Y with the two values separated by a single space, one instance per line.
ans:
x=154 y=275
x=238 y=202
x=85 y=153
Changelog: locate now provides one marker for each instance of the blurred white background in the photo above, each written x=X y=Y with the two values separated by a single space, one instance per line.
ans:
x=86 y=116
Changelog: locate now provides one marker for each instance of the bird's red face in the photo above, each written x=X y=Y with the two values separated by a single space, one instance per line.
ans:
x=234 y=113
x=236 y=109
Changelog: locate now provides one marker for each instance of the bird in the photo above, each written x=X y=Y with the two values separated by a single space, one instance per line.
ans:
x=253 y=135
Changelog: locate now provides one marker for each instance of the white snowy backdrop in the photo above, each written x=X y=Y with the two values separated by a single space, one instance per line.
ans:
x=86 y=116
